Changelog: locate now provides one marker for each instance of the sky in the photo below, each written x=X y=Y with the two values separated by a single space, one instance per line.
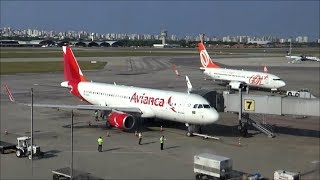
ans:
x=282 y=18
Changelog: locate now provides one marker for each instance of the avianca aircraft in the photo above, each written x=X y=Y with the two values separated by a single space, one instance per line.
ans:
x=127 y=104
x=238 y=78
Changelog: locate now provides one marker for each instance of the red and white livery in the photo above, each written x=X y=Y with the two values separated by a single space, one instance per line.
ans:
x=128 y=104
x=238 y=78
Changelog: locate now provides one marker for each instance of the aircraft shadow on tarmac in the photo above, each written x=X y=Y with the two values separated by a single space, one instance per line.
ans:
x=213 y=129
x=232 y=130
x=296 y=131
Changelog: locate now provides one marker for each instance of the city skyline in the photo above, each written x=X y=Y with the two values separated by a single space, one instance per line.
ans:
x=11 y=32
x=213 y=18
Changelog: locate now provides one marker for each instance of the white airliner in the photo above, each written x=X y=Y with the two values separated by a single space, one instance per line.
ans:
x=303 y=58
x=300 y=58
x=238 y=78
x=127 y=104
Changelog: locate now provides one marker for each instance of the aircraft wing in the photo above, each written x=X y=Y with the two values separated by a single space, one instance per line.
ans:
x=79 y=107
x=88 y=107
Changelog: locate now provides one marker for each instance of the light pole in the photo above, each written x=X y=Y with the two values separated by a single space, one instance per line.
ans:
x=31 y=131
x=71 y=171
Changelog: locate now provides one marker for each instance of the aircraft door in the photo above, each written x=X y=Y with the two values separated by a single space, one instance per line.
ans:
x=267 y=80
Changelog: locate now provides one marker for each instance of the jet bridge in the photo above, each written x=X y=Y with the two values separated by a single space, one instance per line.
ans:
x=250 y=107
x=266 y=104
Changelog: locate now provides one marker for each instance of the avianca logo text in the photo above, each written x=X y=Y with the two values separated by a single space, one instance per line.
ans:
x=144 y=99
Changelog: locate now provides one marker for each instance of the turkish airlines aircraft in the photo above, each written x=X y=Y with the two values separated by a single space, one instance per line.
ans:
x=127 y=104
x=238 y=78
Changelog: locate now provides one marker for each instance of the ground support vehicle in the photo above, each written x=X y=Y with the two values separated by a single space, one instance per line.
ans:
x=24 y=148
x=281 y=174
x=65 y=173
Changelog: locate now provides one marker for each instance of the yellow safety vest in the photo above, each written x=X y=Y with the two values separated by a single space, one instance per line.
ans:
x=100 y=141
x=161 y=140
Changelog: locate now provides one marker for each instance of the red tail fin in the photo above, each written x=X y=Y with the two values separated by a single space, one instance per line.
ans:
x=72 y=71
x=205 y=59
x=265 y=69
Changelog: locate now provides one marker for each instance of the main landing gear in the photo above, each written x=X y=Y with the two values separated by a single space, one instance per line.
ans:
x=193 y=129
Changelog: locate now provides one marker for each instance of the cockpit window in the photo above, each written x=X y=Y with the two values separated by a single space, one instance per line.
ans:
x=195 y=106
x=206 y=106
x=200 y=106
x=278 y=79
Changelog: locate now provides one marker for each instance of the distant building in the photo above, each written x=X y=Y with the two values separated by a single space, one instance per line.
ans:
x=282 y=40
x=258 y=42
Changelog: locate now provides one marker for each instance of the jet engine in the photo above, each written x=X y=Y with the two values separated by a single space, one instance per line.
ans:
x=122 y=120
x=236 y=85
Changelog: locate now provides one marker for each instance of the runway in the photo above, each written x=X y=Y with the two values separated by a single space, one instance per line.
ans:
x=295 y=148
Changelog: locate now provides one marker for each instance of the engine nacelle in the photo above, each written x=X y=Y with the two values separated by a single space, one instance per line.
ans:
x=236 y=85
x=122 y=120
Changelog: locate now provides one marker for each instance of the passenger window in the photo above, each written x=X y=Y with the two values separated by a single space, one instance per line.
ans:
x=200 y=106
x=195 y=106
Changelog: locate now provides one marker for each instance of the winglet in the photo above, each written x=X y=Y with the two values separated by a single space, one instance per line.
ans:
x=9 y=93
x=205 y=59
x=189 y=85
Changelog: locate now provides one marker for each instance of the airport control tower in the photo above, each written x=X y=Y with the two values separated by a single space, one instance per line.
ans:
x=163 y=36
x=201 y=37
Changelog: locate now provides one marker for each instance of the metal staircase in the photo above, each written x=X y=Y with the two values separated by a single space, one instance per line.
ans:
x=255 y=121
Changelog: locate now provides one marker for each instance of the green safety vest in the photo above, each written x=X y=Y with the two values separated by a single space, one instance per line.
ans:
x=100 y=141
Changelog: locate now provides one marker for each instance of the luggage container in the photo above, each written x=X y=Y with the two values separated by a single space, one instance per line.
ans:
x=211 y=165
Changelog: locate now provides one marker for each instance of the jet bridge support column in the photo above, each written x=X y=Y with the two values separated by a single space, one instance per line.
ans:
x=243 y=124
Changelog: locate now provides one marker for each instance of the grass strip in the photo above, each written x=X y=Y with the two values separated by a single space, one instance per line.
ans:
x=90 y=54
x=39 y=67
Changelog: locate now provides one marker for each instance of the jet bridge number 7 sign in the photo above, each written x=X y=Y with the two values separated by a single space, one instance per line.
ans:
x=249 y=105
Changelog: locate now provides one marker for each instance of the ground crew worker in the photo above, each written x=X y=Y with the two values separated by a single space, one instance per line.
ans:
x=96 y=115
x=140 y=138
x=100 y=141
x=162 y=139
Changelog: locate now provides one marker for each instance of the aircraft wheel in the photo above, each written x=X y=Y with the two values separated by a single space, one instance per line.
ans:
x=189 y=134
x=289 y=94
x=18 y=153
x=198 y=176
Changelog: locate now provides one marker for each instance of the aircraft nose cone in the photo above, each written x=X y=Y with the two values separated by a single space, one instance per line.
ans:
x=282 y=83
x=214 y=116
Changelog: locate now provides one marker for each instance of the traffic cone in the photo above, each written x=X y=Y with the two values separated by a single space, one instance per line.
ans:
x=161 y=128
x=108 y=134
x=6 y=132
x=239 y=143
x=136 y=133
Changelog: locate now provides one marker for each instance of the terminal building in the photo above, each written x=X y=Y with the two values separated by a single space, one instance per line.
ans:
x=50 y=43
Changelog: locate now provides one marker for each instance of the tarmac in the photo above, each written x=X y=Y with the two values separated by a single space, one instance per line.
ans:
x=295 y=147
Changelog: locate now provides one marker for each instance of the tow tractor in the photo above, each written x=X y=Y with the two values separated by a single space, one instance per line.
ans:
x=24 y=148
